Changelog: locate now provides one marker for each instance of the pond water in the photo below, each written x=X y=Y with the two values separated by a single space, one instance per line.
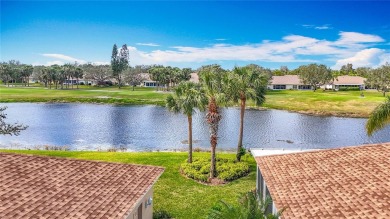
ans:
x=151 y=128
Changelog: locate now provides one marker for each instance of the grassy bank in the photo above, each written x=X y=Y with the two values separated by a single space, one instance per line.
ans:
x=181 y=197
x=341 y=103
x=85 y=94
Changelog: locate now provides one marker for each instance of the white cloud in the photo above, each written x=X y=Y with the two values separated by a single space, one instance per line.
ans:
x=365 y=58
x=320 y=27
x=220 y=39
x=347 y=38
x=350 y=47
x=147 y=44
x=323 y=27
x=291 y=48
x=66 y=59
x=63 y=57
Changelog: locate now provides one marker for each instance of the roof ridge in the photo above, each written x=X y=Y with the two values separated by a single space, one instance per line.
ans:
x=78 y=159
x=385 y=144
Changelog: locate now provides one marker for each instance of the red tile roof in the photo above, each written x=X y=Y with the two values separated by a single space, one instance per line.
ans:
x=351 y=182
x=286 y=79
x=349 y=80
x=48 y=187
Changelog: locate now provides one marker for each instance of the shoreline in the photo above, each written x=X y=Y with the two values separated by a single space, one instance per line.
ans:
x=131 y=102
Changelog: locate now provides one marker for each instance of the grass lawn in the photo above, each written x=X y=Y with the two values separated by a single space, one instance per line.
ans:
x=341 y=103
x=111 y=95
x=182 y=197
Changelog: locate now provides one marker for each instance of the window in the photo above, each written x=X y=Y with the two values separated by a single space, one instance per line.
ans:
x=279 y=87
x=294 y=86
x=260 y=183
x=268 y=210
x=304 y=87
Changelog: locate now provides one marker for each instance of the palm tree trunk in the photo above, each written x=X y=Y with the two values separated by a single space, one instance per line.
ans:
x=189 y=139
x=241 y=133
x=213 y=118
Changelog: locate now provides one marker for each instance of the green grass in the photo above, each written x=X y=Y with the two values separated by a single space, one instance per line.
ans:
x=341 y=103
x=110 y=95
x=182 y=197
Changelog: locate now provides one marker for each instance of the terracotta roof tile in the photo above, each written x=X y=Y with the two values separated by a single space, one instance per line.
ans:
x=286 y=79
x=48 y=187
x=350 y=182
x=351 y=80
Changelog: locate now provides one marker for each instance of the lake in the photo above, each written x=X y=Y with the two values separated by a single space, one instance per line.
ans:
x=152 y=128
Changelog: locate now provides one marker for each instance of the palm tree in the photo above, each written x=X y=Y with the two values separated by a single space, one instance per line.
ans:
x=212 y=78
x=379 y=118
x=250 y=207
x=246 y=83
x=78 y=74
x=187 y=96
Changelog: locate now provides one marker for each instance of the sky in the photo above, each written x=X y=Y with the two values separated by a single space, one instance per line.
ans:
x=192 y=34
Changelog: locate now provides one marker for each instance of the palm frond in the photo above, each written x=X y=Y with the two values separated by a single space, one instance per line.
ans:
x=379 y=118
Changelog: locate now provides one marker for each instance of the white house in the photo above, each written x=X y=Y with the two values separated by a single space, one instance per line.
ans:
x=287 y=82
x=148 y=82
x=349 y=182
x=346 y=81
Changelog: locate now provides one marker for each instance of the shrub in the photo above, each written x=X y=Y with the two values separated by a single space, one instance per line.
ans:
x=161 y=214
x=227 y=169
x=250 y=206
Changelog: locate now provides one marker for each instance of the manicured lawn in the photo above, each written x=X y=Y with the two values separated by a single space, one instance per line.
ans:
x=181 y=197
x=341 y=103
x=85 y=94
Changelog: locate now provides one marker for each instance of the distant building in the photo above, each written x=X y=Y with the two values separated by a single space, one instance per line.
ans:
x=287 y=82
x=148 y=82
x=48 y=187
x=349 y=182
x=346 y=81
x=194 y=77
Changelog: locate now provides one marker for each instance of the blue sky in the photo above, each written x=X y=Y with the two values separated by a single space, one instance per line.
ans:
x=191 y=34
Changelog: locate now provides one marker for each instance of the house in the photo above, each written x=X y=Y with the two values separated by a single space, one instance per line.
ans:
x=346 y=81
x=148 y=82
x=194 y=77
x=349 y=81
x=49 y=187
x=349 y=182
x=287 y=82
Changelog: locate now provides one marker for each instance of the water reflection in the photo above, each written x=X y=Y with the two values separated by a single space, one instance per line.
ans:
x=144 y=128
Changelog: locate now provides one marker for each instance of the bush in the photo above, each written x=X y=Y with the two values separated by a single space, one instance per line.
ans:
x=250 y=206
x=161 y=214
x=349 y=88
x=227 y=169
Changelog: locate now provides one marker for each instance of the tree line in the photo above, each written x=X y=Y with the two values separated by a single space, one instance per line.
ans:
x=165 y=77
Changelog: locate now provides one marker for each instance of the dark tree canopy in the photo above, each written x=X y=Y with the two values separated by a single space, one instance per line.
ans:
x=119 y=62
x=379 y=78
x=314 y=75
x=9 y=129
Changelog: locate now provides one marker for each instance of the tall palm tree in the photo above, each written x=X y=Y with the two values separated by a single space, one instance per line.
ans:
x=187 y=97
x=212 y=78
x=379 y=118
x=246 y=83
